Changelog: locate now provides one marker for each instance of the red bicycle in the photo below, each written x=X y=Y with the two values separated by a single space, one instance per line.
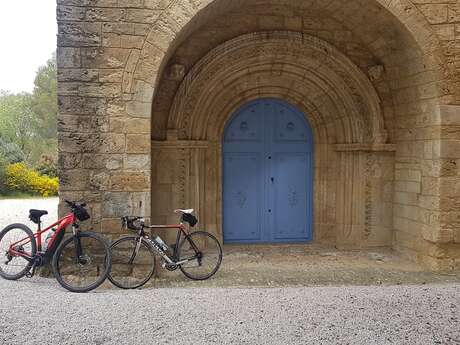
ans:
x=80 y=262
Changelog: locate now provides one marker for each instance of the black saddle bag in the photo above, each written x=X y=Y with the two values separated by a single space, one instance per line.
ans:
x=190 y=218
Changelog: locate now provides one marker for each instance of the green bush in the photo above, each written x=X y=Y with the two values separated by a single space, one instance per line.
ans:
x=11 y=151
x=3 y=165
x=46 y=166
x=22 y=179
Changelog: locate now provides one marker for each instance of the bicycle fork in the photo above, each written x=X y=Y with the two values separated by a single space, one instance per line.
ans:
x=77 y=243
x=136 y=250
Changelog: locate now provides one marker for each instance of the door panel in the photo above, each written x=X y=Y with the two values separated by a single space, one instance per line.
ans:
x=243 y=197
x=247 y=127
x=290 y=209
x=290 y=128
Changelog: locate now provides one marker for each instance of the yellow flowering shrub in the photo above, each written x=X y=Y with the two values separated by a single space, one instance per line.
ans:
x=19 y=177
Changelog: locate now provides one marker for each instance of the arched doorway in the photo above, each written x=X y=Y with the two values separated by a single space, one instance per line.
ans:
x=343 y=112
x=267 y=174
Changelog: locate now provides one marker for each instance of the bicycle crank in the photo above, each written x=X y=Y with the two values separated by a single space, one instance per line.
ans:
x=169 y=267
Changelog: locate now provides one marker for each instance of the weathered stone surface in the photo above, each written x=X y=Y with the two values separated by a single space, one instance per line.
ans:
x=74 y=180
x=82 y=105
x=105 y=15
x=142 y=16
x=70 y=13
x=110 y=76
x=137 y=143
x=137 y=162
x=137 y=126
x=129 y=66
x=435 y=13
x=83 y=124
x=118 y=204
x=79 y=34
x=130 y=181
x=84 y=75
x=68 y=57
x=105 y=57
x=112 y=226
x=139 y=109
x=91 y=143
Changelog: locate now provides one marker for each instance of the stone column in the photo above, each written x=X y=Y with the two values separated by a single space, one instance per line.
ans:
x=364 y=195
x=183 y=176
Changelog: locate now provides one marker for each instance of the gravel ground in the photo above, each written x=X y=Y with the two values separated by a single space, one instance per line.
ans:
x=38 y=311
x=315 y=295
x=17 y=211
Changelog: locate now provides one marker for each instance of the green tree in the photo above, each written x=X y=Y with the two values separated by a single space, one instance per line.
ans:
x=3 y=165
x=17 y=121
x=44 y=99
x=28 y=122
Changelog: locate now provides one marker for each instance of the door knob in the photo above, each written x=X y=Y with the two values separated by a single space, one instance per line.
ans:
x=272 y=179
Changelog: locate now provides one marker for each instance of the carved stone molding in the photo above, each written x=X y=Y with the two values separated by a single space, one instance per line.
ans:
x=302 y=63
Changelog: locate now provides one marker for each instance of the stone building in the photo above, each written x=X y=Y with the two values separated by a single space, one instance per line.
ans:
x=324 y=121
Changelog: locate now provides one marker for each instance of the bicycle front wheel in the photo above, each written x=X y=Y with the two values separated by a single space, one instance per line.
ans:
x=82 y=262
x=133 y=263
x=203 y=254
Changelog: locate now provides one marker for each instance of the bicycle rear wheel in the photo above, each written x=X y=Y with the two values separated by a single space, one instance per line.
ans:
x=133 y=264
x=82 y=262
x=204 y=255
x=12 y=265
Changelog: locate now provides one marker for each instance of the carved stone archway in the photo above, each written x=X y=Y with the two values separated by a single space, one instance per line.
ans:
x=115 y=90
x=339 y=101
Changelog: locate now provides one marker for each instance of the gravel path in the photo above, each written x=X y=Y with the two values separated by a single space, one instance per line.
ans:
x=17 y=211
x=38 y=311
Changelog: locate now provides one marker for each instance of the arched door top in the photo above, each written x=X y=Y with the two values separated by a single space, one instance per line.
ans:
x=242 y=127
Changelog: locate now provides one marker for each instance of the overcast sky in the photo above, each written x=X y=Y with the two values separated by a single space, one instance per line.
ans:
x=27 y=39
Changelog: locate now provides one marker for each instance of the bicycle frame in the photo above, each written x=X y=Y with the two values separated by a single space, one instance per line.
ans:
x=181 y=230
x=60 y=225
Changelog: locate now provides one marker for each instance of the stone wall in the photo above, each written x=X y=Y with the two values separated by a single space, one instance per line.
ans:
x=122 y=63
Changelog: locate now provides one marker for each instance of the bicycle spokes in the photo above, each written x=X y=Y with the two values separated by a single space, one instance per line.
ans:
x=81 y=261
x=15 y=249
x=133 y=262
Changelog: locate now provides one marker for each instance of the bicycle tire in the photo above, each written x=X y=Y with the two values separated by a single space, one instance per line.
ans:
x=101 y=256
x=200 y=238
x=33 y=250
x=120 y=263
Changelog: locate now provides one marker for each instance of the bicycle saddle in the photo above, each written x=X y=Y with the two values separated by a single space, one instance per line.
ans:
x=188 y=211
x=35 y=215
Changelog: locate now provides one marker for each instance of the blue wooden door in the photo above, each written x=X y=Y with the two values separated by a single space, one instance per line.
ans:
x=267 y=174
